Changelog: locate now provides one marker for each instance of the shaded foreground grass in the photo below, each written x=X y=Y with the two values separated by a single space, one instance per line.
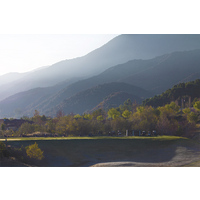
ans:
x=87 y=151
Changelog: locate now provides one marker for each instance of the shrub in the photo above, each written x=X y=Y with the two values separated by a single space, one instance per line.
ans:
x=33 y=151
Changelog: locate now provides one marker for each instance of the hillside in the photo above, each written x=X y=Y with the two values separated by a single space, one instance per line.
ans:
x=119 y=50
x=115 y=100
x=176 y=93
x=175 y=68
x=154 y=75
x=157 y=74
x=24 y=103
x=88 y=99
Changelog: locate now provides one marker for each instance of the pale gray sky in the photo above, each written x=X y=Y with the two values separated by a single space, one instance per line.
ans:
x=22 y=53
x=25 y=52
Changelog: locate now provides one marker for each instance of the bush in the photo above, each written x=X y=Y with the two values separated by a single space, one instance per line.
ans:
x=33 y=151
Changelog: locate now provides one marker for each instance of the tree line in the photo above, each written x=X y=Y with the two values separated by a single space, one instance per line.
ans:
x=167 y=120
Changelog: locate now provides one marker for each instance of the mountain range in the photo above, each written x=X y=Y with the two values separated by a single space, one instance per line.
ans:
x=88 y=99
x=150 y=63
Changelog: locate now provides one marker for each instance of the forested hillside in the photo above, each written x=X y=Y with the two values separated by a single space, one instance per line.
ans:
x=181 y=93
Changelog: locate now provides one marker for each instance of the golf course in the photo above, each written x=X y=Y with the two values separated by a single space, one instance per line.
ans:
x=161 y=151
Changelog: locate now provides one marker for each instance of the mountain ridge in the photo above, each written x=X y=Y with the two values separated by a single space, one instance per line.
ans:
x=153 y=75
x=88 y=99
x=117 y=51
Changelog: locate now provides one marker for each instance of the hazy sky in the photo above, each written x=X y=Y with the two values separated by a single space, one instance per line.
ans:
x=25 y=52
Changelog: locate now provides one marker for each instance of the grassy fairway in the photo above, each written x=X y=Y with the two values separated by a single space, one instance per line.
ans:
x=86 y=151
x=92 y=138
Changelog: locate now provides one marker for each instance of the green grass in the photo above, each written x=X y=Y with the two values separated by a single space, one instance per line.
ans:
x=92 y=138
x=85 y=151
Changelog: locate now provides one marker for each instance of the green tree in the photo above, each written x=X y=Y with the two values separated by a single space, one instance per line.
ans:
x=43 y=118
x=120 y=124
x=33 y=151
x=83 y=127
x=50 y=126
x=26 y=128
x=61 y=125
x=72 y=126
x=140 y=109
x=126 y=106
x=87 y=116
x=197 y=105
x=145 y=118
x=98 y=112
x=126 y=114
x=67 y=125
x=3 y=126
x=38 y=128
x=186 y=110
x=100 y=118
x=192 y=117
x=113 y=113
x=172 y=106
x=38 y=119
x=77 y=116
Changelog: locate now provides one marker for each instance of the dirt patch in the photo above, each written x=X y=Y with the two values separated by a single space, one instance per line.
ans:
x=182 y=157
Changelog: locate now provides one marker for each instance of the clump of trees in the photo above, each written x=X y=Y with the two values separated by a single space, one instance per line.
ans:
x=168 y=120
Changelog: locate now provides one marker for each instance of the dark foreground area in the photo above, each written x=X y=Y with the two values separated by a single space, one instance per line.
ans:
x=132 y=151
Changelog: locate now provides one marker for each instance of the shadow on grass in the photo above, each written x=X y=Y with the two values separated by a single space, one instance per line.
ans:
x=85 y=152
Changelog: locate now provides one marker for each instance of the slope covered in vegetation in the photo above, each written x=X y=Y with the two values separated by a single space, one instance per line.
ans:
x=188 y=91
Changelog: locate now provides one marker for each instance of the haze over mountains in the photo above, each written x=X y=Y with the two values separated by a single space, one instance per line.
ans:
x=88 y=99
x=148 y=62
x=119 y=50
